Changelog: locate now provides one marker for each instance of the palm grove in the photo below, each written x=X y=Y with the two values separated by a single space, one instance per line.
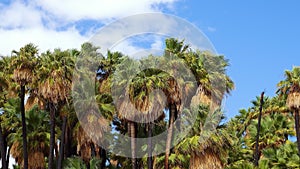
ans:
x=40 y=128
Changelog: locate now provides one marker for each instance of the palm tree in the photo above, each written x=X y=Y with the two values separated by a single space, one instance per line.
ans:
x=93 y=75
x=240 y=156
x=55 y=73
x=206 y=153
x=4 y=83
x=23 y=74
x=38 y=137
x=276 y=125
x=136 y=102
x=86 y=146
x=290 y=87
x=124 y=112
x=11 y=122
x=177 y=49
x=210 y=73
x=141 y=87
x=64 y=114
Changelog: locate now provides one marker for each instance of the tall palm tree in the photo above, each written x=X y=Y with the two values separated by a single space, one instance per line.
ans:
x=69 y=57
x=93 y=75
x=3 y=93
x=210 y=73
x=141 y=87
x=54 y=86
x=23 y=74
x=290 y=88
x=173 y=48
x=124 y=112
x=11 y=122
x=8 y=90
x=38 y=139
x=137 y=101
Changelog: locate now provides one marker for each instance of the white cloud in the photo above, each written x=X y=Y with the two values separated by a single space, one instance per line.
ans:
x=44 y=38
x=52 y=23
x=98 y=9
x=19 y=15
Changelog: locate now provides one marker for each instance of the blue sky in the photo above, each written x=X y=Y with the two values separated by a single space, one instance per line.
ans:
x=260 y=38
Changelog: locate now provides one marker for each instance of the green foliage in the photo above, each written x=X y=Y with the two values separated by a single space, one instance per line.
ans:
x=78 y=163
x=283 y=157
x=277 y=125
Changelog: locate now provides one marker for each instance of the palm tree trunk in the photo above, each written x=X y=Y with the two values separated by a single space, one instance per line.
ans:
x=296 y=112
x=67 y=143
x=93 y=150
x=3 y=150
x=62 y=143
x=24 y=133
x=256 y=156
x=52 y=136
x=103 y=156
x=133 y=145
x=172 y=109
x=150 y=160
x=69 y=148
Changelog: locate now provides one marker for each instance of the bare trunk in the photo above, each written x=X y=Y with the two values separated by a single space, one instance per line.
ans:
x=257 y=152
x=52 y=136
x=206 y=160
x=103 y=156
x=67 y=143
x=24 y=132
x=3 y=150
x=62 y=143
x=69 y=148
x=172 y=109
x=93 y=150
x=296 y=112
x=150 y=160
x=133 y=145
